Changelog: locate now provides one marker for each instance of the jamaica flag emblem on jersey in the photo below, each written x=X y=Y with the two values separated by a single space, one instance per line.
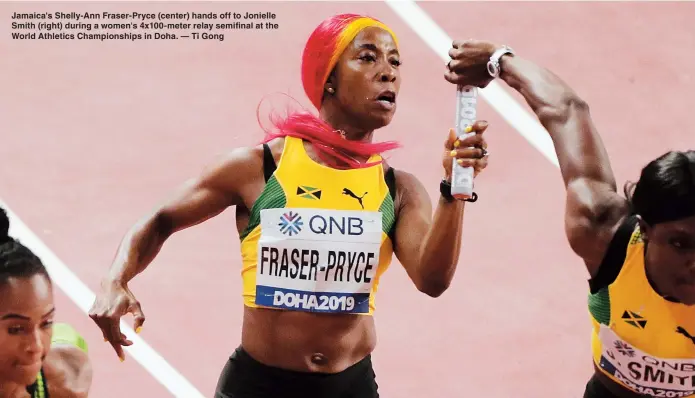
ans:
x=308 y=192
x=634 y=319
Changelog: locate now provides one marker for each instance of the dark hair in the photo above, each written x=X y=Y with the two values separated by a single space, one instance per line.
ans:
x=16 y=260
x=666 y=188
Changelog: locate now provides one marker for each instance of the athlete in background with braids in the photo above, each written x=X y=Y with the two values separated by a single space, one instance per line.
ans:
x=639 y=249
x=38 y=359
x=319 y=215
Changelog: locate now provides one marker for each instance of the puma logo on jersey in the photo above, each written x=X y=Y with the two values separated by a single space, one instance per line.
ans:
x=351 y=194
x=681 y=330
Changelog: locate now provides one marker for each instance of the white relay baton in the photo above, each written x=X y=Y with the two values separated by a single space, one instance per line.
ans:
x=462 y=177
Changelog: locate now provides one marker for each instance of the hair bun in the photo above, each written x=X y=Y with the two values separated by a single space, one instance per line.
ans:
x=4 y=227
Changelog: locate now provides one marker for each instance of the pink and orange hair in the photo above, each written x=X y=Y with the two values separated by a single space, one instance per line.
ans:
x=325 y=46
x=321 y=53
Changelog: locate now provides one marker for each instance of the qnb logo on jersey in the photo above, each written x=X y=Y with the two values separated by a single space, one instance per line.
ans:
x=290 y=223
x=330 y=225
x=624 y=349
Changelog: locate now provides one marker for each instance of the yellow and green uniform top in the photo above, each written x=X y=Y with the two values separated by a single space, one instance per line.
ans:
x=62 y=334
x=318 y=238
x=640 y=340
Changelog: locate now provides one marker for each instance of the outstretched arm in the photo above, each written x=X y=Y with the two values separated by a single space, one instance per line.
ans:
x=594 y=209
x=200 y=199
x=220 y=186
x=429 y=247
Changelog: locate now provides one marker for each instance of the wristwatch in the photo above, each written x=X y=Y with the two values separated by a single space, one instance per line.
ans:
x=445 y=191
x=493 y=65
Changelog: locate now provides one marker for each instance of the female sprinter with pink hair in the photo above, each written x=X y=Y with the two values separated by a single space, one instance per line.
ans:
x=319 y=216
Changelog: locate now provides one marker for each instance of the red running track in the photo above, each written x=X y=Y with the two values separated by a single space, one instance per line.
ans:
x=95 y=133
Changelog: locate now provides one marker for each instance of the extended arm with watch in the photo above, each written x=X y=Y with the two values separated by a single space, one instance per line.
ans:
x=592 y=202
x=581 y=155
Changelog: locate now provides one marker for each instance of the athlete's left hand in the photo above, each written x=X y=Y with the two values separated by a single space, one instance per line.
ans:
x=469 y=152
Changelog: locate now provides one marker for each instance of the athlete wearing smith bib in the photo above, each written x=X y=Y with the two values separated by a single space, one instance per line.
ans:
x=320 y=215
x=639 y=249
x=641 y=340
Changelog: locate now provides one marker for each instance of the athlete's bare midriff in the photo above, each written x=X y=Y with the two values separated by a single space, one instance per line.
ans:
x=307 y=342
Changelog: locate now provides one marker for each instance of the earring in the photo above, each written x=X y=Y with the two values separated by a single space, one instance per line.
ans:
x=330 y=90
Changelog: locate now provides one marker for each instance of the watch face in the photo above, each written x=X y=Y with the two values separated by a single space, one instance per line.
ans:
x=492 y=68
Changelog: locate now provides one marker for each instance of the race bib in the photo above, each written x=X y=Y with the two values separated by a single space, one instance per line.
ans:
x=644 y=373
x=317 y=260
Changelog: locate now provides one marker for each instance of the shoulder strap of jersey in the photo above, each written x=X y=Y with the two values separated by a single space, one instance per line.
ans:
x=269 y=165
x=390 y=178
x=612 y=263
x=38 y=389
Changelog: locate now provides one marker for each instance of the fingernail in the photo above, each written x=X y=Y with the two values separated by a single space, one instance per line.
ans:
x=138 y=329
x=457 y=143
x=459 y=161
x=468 y=129
x=452 y=153
x=122 y=359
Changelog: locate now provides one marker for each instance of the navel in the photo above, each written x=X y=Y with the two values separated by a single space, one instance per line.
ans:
x=318 y=359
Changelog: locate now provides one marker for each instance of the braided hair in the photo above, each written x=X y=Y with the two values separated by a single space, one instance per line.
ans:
x=16 y=260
